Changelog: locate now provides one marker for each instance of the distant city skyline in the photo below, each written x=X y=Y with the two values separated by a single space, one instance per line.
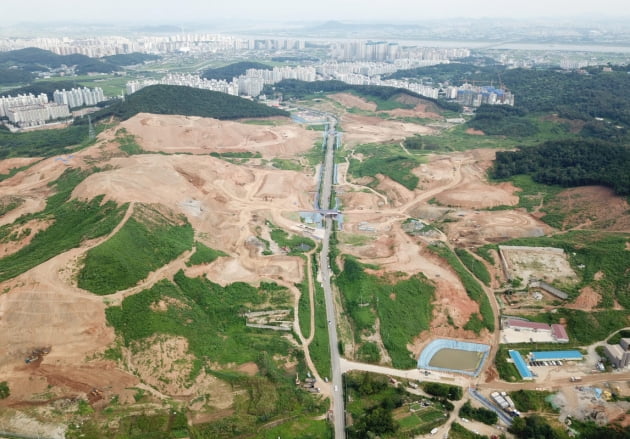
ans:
x=192 y=11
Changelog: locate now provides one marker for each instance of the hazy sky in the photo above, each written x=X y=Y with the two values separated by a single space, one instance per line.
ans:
x=179 y=11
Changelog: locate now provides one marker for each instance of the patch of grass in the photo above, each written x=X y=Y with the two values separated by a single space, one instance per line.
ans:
x=204 y=255
x=266 y=122
x=474 y=265
x=139 y=247
x=459 y=432
x=286 y=164
x=73 y=222
x=294 y=243
x=532 y=195
x=507 y=371
x=316 y=127
x=532 y=401
x=207 y=314
x=354 y=239
x=386 y=160
x=128 y=142
x=8 y=204
x=14 y=171
x=315 y=155
x=320 y=346
x=304 y=307
x=402 y=306
x=473 y=289
x=236 y=155
x=301 y=427
x=484 y=252
x=368 y=352
x=267 y=401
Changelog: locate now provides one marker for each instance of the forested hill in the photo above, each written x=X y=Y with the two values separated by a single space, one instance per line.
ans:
x=233 y=70
x=33 y=59
x=130 y=59
x=300 y=89
x=186 y=101
x=569 y=163
x=573 y=95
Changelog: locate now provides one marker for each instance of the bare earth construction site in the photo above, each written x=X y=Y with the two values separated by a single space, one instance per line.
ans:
x=235 y=200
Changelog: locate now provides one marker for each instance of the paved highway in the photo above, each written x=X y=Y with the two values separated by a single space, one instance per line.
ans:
x=324 y=202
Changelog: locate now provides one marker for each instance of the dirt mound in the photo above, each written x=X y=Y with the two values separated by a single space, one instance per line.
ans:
x=196 y=135
x=351 y=101
x=475 y=132
x=479 y=195
x=367 y=129
x=7 y=164
x=473 y=190
x=474 y=228
x=587 y=300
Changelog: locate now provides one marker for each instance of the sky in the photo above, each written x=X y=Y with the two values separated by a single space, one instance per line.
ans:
x=199 y=11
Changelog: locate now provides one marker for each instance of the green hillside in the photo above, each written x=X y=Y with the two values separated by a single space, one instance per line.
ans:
x=233 y=70
x=569 y=163
x=187 y=101
x=130 y=59
x=33 y=59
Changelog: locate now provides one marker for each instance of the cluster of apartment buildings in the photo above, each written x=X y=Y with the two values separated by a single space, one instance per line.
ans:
x=249 y=84
x=78 y=97
x=187 y=80
x=473 y=96
x=158 y=44
x=389 y=51
x=28 y=110
x=200 y=43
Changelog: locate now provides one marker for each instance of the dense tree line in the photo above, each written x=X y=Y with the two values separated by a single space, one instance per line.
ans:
x=535 y=427
x=480 y=414
x=187 y=101
x=569 y=163
x=452 y=392
x=503 y=120
x=47 y=87
x=377 y=419
x=233 y=70
x=583 y=95
x=15 y=76
x=573 y=95
x=130 y=59
x=33 y=59
x=299 y=89
x=41 y=143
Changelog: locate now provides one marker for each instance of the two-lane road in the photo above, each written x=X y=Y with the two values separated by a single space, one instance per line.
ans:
x=324 y=203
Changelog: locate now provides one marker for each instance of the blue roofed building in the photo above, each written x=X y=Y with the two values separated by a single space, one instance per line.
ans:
x=521 y=365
